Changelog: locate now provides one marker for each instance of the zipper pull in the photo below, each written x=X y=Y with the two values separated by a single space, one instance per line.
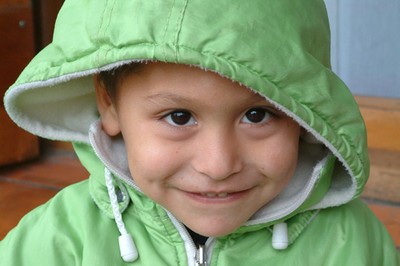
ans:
x=200 y=258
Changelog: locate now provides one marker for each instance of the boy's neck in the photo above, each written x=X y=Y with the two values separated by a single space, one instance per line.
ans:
x=197 y=239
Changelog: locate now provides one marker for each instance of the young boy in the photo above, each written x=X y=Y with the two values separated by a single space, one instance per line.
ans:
x=223 y=139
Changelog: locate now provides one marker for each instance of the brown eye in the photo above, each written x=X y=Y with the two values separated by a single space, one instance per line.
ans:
x=180 y=118
x=256 y=116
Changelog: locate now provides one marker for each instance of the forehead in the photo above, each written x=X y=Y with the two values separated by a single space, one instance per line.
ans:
x=179 y=83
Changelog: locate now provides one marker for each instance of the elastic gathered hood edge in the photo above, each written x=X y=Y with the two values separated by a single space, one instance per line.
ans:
x=54 y=96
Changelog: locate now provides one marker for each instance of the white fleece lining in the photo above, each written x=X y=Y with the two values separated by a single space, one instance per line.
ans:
x=112 y=153
x=298 y=190
x=337 y=194
x=35 y=106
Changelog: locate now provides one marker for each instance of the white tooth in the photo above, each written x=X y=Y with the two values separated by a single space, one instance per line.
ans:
x=213 y=195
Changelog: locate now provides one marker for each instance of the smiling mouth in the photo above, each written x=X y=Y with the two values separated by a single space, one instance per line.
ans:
x=215 y=195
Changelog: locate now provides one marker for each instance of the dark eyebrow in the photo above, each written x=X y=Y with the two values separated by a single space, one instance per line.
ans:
x=172 y=99
x=168 y=98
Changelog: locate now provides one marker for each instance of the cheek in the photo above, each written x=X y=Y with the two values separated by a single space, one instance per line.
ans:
x=152 y=161
x=278 y=160
x=286 y=158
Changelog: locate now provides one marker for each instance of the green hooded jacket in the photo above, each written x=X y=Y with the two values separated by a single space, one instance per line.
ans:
x=279 y=49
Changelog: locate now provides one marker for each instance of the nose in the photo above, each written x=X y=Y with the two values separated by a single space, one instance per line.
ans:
x=217 y=155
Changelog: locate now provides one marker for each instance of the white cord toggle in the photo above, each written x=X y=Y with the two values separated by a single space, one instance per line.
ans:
x=127 y=247
x=280 y=238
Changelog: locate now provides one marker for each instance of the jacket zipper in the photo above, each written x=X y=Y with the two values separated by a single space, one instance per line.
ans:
x=201 y=256
x=197 y=256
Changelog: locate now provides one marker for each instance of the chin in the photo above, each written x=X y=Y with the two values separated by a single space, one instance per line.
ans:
x=214 y=231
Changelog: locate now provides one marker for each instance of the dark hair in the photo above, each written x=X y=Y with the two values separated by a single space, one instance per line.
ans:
x=112 y=79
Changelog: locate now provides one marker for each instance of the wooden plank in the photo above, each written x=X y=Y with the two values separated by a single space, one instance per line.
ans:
x=18 y=199
x=53 y=145
x=45 y=13
x=6 y=4
x=390 y=104
x=382 y=119
x=384 y=180
x=390 y=217
x=24 y=187
x=17 y=49
x=16 y=145
x=17 y=44
x=55 y=171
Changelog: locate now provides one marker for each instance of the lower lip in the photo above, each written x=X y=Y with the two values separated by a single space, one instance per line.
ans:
x=231 y=197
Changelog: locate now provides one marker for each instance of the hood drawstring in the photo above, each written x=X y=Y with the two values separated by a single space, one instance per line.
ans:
x=127 y=247
x=280 y=240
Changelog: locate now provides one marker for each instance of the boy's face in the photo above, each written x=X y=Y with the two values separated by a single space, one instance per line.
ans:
x=209 y=150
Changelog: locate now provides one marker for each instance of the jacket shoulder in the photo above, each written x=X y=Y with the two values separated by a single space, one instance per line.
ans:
x=54 y=233
x=350 y=235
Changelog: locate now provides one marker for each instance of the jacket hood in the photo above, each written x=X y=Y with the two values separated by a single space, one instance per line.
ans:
x=279 y=49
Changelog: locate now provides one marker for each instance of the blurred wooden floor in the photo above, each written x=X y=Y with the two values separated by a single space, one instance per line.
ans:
x=28 y=185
